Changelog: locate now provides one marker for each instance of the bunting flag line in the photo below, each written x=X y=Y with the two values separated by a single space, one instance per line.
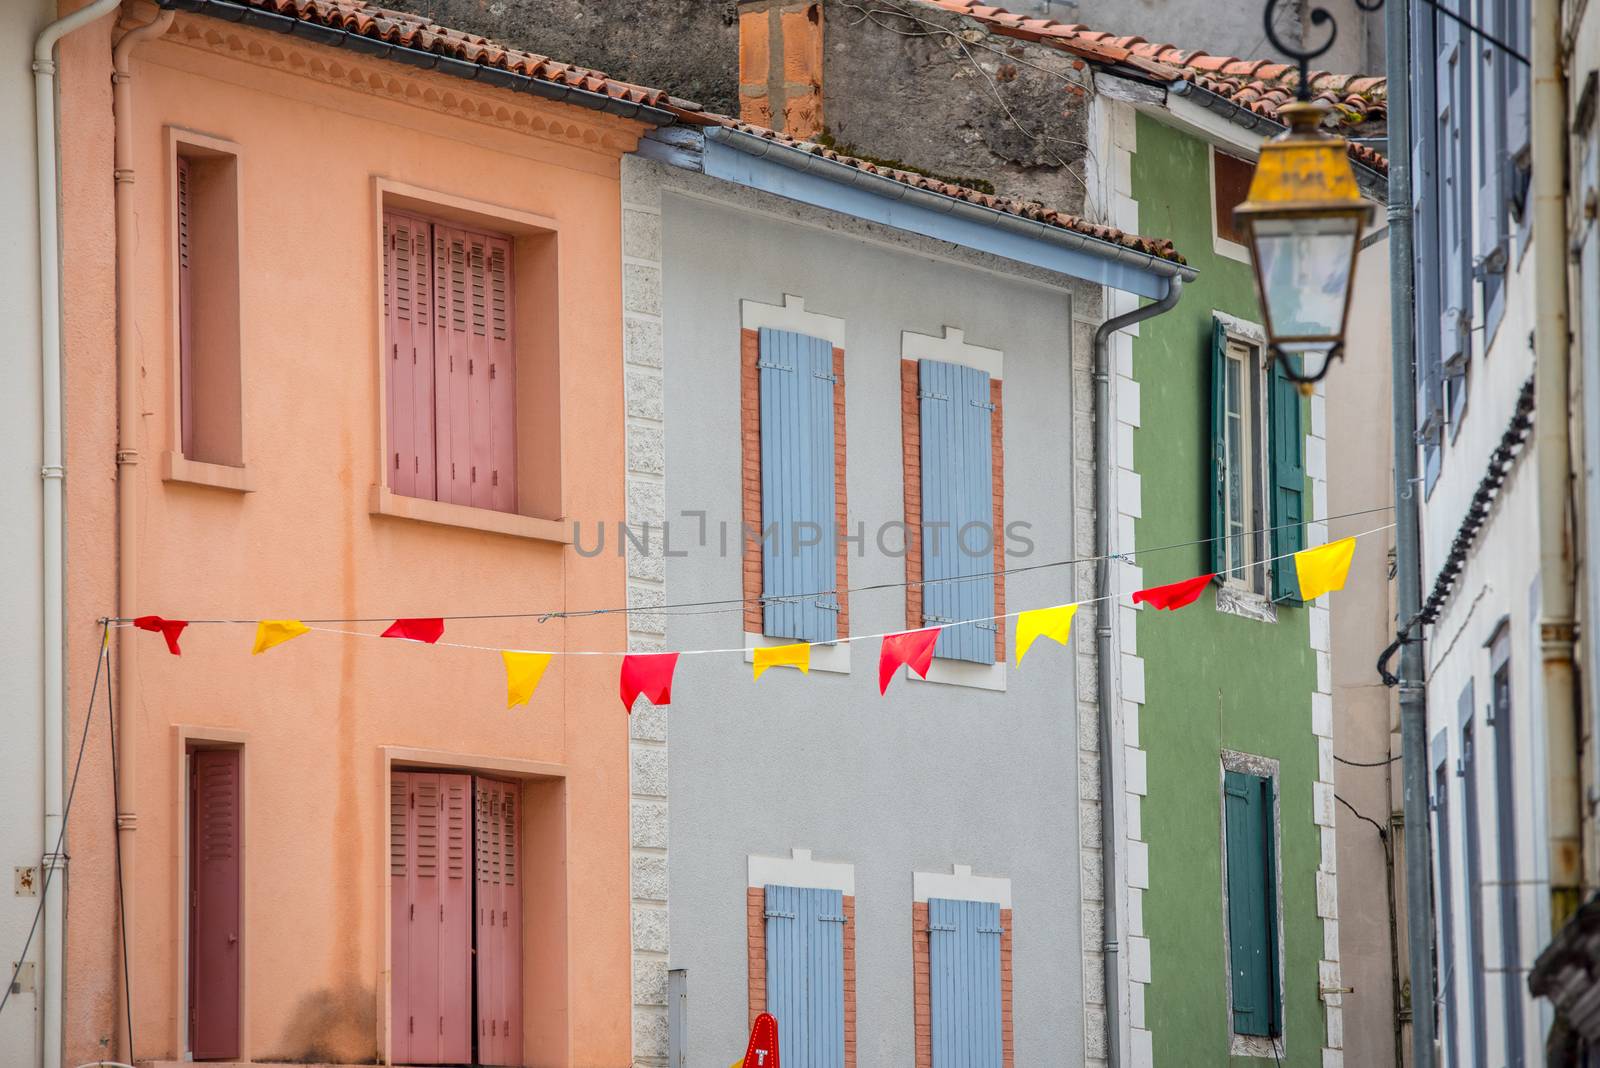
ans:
x=913 y=648
x=1175 y=595
x=797 y=655
x=650 y=675
x=426 y=630
x=169 y=629
x=270 y=632
x=1324 y=569
x=523 y=672
x=1052 y=623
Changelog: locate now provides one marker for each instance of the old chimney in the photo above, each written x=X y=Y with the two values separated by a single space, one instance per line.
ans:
x=780 y=65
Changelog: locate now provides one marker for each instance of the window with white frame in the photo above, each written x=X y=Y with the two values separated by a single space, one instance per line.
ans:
x=1244 y=498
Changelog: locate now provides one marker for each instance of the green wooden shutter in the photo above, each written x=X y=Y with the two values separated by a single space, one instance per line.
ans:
x=1287 y=482
x=1252 y=905
x=1219 y=448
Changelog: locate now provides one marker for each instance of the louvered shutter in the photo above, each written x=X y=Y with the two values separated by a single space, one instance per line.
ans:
x=407 y=310
x=1288 y=481
x=797 y=487
x=1493 y=87
x=964 y=982
x=499 y=922
x=474 y=369
x=957 y=507
x=1219 y=448
x=185 y=311
x=215 y=858
x=805 y=974
x=1453 y=104
x=430 y=918
x=1252 y=904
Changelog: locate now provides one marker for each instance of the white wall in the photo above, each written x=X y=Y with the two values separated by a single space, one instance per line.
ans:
x=21 y=685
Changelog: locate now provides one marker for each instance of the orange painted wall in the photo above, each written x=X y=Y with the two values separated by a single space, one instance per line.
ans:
x=315 y=715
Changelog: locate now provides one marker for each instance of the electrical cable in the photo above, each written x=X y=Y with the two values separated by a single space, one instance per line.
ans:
x=1367 y=763
x=116 y=833
x=44 y=883
x=1383 y=834
x=732 y=603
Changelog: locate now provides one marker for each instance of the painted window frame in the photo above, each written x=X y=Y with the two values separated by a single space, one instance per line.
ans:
x=539 y=419
x=1222 y=246
x=178 y=463
x=1266 y=768
x=958 y=884
x=1499 y=719
x=1236 y=595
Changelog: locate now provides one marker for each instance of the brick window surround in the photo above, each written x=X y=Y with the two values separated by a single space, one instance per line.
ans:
x=756 y=906
x=750 y=437
x=911 y=451
x=923 y=986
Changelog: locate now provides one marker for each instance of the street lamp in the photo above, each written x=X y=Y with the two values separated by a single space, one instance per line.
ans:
x=1303 y=218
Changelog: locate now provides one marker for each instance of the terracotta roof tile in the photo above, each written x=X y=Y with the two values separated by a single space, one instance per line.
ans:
x=1261 y=85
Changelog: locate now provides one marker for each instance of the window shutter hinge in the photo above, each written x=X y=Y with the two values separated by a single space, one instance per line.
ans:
x=823 y=376
x=986 y=626
x=925 y=395
x=926 y=618
x=991 y=930
x=773 y=913
x=774 y=366
x=941 y=927
x=830 y=919
x=981 y=404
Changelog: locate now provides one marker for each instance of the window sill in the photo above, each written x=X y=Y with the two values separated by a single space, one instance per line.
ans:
x=825 y=656
x=385 y=502
x=945 y=672
x=175 y=467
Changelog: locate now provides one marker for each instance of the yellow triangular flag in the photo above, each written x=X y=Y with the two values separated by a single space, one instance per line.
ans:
x=523 y=672
x=797 y=655
x=1052 y=623
x=270 y=632
x=1324 y=568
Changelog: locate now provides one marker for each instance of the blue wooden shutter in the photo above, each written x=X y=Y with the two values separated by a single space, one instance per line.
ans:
x=1252 y=905
x=805 y=974
x=1219 y=447
x=964 y=972
x=957 y=492
x=1287 y=482
x=797 y=501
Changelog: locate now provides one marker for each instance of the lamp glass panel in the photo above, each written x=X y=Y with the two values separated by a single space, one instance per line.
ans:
x=1305 y=267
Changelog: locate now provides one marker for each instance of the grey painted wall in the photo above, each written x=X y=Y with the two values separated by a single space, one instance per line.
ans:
x=930 y=775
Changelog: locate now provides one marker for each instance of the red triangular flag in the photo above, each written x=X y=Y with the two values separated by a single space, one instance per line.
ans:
x=1175 y=595
x=416 y=630
x=913 y=647
x=650 y=675
x=167 y=628
x=762 y=1052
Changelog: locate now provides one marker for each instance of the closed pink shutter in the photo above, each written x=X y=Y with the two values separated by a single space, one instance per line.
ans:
x=214 y=927
x=185 y=315
x=499 y=923
x=430 y=917
x=407 y=307
x=474 y=369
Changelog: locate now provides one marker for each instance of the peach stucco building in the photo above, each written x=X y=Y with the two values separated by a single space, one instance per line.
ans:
x=290 y=213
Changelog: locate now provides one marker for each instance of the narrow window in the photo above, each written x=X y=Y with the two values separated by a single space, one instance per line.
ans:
x=964 y=964
x=215 y=858
x=957 y=411
x=207 y=239
x=1506 y=848
x=1249 y=829
x=499 y=922
x=1473 y=844
x=448 y=295
x=798 y=396
x=1230 y=187
x=805 y=973
x=1447 y=929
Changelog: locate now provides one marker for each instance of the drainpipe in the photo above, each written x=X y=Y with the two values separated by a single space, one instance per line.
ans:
x=128 y=427
x=53 y=473
x=1408 y=545
x=1105 y=611
x=1557 y=626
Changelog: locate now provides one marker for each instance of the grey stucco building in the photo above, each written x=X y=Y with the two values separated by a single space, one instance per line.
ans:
x=760 y=808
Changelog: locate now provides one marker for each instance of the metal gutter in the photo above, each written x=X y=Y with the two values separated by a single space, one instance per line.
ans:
x=1124 y=262
x=231 y=11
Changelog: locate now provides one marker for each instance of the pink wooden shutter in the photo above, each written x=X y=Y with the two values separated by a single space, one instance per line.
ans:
x=430 y=918
x=214 y=928
x=499 y=923
x=185 y=316
x=474 y=369
x=406 y=307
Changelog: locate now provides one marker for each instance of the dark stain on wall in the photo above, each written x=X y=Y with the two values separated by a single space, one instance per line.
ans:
x=332 y=1025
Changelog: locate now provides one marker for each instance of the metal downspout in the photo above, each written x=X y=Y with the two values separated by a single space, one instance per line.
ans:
x=1557 y=626
x=52 y=568
x=1408 y=558
x=1105 y=677
x=129 y=425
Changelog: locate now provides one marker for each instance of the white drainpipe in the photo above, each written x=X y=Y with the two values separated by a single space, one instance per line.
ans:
x=53 y=472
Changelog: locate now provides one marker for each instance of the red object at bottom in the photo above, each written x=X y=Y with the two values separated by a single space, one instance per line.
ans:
x=762 y=1052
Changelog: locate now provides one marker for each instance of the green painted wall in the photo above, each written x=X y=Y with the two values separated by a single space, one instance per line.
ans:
x=1213 y=681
